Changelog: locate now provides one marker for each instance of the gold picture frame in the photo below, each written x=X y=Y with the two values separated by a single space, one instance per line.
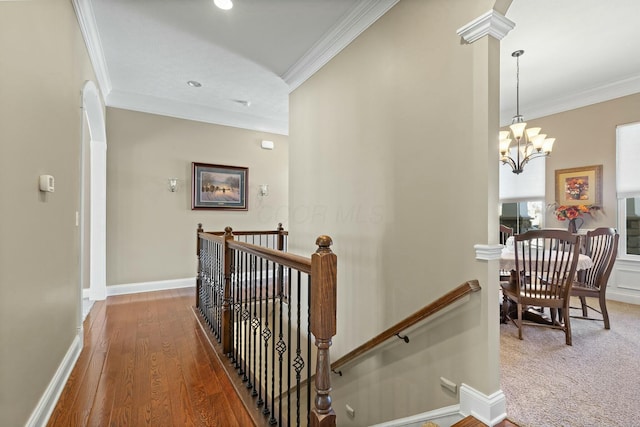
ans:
x=579 y=186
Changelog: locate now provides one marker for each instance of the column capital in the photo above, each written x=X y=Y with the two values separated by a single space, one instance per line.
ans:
x=492 y=23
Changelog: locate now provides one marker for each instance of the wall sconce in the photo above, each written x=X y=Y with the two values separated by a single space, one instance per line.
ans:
x=264 y=190
x=173 y=184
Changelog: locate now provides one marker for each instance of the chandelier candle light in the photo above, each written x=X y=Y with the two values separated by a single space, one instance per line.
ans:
x=529 y=143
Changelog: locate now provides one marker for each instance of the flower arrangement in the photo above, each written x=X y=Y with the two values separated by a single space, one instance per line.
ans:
x=577 y=189
x=564 y=213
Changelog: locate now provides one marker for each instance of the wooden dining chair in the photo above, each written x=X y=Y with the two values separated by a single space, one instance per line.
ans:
x=545 y=263
x=601 y=245
x=505 y=233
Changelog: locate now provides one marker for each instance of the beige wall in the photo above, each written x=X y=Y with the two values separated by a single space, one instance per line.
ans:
x=150 y=230
x=373 y=165
x=587 y=136
x=43 y=66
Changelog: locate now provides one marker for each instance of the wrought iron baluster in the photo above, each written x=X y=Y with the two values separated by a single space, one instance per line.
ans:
x=308 y=349
x=266 y=334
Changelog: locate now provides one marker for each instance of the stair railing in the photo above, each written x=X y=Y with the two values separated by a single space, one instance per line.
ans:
x=260 y=306
x=395 y=330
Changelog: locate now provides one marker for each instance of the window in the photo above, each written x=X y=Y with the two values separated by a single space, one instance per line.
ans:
x=632 y=225
x=522 y=216
x=628 y=188
x=522 y=196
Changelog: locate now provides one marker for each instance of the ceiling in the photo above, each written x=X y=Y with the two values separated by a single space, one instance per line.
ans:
x=248 y=59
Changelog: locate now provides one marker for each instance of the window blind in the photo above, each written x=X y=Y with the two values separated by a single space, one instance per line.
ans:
x=525 y=187
x=628 y=160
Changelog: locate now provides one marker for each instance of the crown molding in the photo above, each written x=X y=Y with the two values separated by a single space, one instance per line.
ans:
x=361 y=17
x=491 y=23
x=199 y=113
x=606 y=92
x=88 y=27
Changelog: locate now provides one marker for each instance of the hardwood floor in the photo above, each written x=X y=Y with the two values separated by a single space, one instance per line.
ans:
x=473 y=422
x=145 y=362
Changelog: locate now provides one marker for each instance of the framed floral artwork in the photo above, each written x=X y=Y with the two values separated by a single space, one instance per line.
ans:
x=579 y=186
x=219 y=187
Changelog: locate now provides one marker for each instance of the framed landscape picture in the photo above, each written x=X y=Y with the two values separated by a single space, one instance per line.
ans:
x=579 y=186
x=218 y=187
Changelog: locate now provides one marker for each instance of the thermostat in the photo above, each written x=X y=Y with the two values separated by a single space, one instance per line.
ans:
x=47 y=183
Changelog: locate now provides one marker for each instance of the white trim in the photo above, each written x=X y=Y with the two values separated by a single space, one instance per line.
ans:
x=44 y=409
x=443 y=416
x=160 y=285
x=97 y=215
x=622 y=283
x=491 y=23
x=489 y=409
x=603 y=93
x=172 y=108
x=488 y=252
x=361 y=17
x=87 y=21
x=626 y=297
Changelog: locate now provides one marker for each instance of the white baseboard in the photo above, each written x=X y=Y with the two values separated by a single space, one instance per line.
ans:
x=617 y=295
x=446 y=416
x=134 y=288
x=161 y=285
x=47 y=403
x=488 y=409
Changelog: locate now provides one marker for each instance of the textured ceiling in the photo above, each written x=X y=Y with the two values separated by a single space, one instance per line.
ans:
x=249 y=59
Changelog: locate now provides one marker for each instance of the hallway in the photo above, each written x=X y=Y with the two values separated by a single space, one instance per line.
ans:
x=145 y=362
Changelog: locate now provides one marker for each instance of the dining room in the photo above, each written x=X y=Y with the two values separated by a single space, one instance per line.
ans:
x=586 y=183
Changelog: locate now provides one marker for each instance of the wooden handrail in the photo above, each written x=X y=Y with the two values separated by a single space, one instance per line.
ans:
x=248 y=233
x=284 y=258
x=210 y=235
x=287 y=259
x=437 y=305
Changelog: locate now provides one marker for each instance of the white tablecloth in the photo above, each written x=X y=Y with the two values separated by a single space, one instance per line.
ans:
x=508 y=261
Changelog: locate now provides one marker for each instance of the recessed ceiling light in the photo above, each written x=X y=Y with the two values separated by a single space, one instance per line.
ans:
x=223 y=4
x=194 y=83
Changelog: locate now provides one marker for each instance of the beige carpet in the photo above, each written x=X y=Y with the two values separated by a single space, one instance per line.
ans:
x=595 y=382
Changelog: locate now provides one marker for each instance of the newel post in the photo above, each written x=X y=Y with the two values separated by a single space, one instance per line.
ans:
x=280 y=237
x=323 y=326
x=199 y=277
x=227 y=262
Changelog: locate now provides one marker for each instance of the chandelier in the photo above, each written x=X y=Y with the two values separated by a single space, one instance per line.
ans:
x=529 y=143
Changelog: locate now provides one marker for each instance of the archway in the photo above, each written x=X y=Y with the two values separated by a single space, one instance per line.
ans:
x=93 y=214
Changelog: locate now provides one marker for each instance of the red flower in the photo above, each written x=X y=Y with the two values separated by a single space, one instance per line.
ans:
x=564 y=213
x=573 y=213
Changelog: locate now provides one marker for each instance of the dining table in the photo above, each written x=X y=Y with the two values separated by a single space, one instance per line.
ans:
x=508 y=260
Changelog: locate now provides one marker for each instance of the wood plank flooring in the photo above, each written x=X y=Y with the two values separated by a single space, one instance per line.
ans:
x=146 y=362
x=473 y=422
